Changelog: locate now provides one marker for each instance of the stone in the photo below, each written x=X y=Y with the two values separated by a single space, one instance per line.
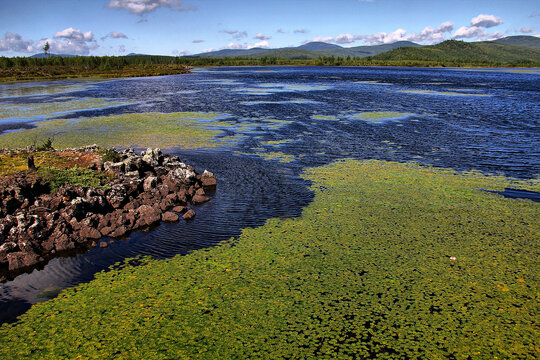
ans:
x=199 y=199
x=190 y=214
x=103 y=244
x=150 y=183
x=179 y=209
x=20 y=260
x=89 y=233
x=208 y=179
x=119 y=232
x=169 y=217
x=148 y=214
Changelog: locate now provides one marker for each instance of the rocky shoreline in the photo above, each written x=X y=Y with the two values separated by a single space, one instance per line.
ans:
x=37 y=225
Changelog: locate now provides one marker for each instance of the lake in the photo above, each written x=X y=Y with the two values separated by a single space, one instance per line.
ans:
x=271 y=123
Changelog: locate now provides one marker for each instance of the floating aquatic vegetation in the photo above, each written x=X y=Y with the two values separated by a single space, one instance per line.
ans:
x=18 y=89
x=389 y=261
x=42 y=111
x=185 y=130
x=379 y=116
x=284 y=102
x=325 y=117
x=440 y=93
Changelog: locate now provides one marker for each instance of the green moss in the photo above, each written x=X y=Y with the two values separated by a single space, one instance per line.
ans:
x=447 y=93
x=365 y=272
x=149 y=129
x=324 y=117
x=74 y=176
x=47 y=110
x=378 y=116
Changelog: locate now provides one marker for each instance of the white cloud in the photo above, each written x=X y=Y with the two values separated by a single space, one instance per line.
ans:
x=197 y=41
x=70 y=41
x=74 y=34
x=428 y=35
x=237 y=34
x=486 y=21
x=141 y=7
x=115 y=35
x=236 y=46
x=323 y=39
x=300 y=31
x=260 y=36
x=15 y=42
x=468 y=32
x=281 y=31
x=344 y=39
x=260 y=44
x=525 y=30
x=180 y=52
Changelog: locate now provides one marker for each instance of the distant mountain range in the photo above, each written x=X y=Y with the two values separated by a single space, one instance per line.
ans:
x=508 y=50
x=311 y=50
x=519 y=48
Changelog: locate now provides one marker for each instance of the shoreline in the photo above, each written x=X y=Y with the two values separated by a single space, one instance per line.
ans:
x=115 y=75
x=42 y=219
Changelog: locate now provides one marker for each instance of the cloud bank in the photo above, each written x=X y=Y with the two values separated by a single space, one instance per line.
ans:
x=141 y=7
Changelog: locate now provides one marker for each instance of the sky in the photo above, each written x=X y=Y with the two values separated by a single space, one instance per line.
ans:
x=184 y=27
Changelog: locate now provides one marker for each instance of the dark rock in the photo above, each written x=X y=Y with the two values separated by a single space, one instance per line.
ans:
x=199 y=199
x=119 y=232
x=189 y=215
x=169 y=217
x=20 y=260
x=148 y=214
x=90 y=233
x=179 y=209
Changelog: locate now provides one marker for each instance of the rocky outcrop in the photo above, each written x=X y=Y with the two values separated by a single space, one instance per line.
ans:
x=36 y=225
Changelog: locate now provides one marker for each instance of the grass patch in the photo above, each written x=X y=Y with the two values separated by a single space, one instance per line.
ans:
x=50 y=109
x=11 y=163
x=365 y=272
x=75 y=176
x=146 y=130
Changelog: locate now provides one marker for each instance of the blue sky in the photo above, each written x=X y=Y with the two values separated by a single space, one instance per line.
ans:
x=178 y=27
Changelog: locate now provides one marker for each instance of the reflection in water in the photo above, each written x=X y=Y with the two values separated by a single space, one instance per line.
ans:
x=304 y=117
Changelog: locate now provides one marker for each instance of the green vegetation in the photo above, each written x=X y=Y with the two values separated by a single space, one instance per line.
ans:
x=74 y=176
x=50 y=109
x=16 y=161
x=53 y=67
x=377 y=116
x=147 y=130
x=460 y=53
x=367 y=271
x=451 y=53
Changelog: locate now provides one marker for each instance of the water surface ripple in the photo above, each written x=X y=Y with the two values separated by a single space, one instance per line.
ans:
x=460 y=119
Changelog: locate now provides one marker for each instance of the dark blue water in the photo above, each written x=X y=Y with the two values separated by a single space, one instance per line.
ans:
x=462 y=119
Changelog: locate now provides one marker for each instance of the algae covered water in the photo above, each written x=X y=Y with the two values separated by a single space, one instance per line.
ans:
x=260 y=127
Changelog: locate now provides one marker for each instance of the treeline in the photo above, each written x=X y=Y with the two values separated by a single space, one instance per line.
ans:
x=90 y=62
x=25 y=68
x=53 y=67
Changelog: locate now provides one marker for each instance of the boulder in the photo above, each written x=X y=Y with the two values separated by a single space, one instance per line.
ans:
x=208 y=179
x=169 y=217
x=148 y=214
x=150 y=183
x=199 y=199
x=20 y=260
x=190 y=214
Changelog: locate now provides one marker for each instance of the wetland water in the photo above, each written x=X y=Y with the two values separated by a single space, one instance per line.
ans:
x=272 y=123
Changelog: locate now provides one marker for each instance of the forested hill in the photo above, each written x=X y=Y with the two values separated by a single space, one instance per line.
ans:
x=463 y=52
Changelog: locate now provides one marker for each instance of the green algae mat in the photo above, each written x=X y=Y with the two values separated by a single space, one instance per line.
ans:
x=146 y=130
x=390 y=261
